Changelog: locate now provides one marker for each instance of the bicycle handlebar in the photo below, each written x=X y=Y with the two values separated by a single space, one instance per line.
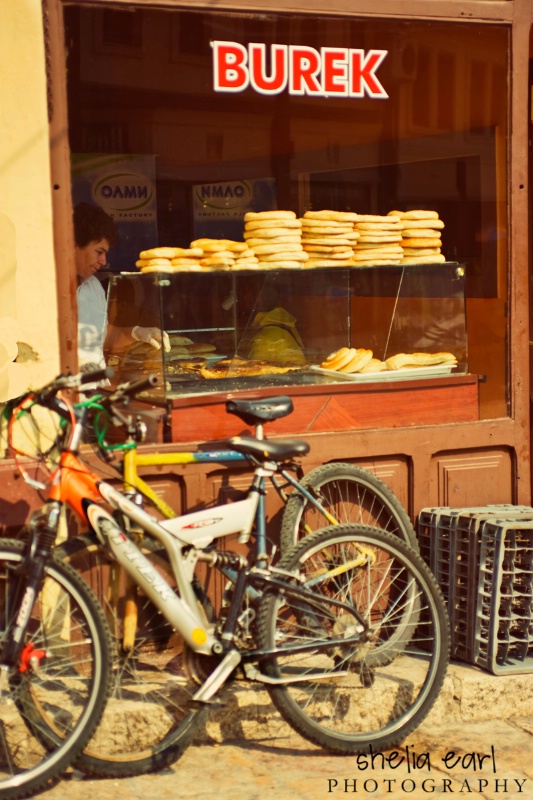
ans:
x=126 y=391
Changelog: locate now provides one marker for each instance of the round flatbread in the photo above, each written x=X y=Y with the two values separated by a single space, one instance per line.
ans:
x=413 y=224
x=420 y=233
x=357 y=362
x=245 y=262
x=362 y=256
x=339 y=358
x=247 y=253
x=289 y=264
x=261 y=224
x=159 y=268
x=266 y=249
x=379 y=226
x=344 y=255
x=337 y=216
x=330 y=223
x=390 y=247
x=377 y=218
x=270 y=233
x=421 y=251
x=284 y=255
x=218 y=245
x=326 y=231
x=434 y=259
x=254 y=241
x=272 y=214
x=216 y=260
x=183 y=262
x=419 y=214
x=159 y=252
x=153 y=262
x=377 y=262
x=333 y=249
x=372 y=237
x=423 y=242
x=329 y=262
x=327 y=240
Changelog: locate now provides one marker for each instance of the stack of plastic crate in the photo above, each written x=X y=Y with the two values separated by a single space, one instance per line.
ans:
x=480 y=557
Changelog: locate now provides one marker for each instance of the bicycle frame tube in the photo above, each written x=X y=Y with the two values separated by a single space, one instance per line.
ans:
x=132 y=459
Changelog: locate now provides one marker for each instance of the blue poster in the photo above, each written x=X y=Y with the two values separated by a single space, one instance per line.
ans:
x=125 y=187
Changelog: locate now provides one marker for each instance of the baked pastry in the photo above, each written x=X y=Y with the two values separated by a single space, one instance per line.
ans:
x=360 y=358
x=339 y=358
x=407 y=360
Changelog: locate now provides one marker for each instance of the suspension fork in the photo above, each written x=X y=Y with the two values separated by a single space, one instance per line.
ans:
x=41 y=538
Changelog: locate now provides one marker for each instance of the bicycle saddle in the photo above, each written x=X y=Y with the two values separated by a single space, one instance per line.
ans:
x=265 y=449
x=254 y=412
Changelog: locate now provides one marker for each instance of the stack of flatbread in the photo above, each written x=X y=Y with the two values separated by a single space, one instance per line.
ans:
x=421 y=237
x=379 y=240
x=224 y=253
x=275 y=238
x=328 y=237
x=169 y=259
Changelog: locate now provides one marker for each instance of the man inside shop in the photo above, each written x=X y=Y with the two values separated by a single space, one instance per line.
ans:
x=95 y=233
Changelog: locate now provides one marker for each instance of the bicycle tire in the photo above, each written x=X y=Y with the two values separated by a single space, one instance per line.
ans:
x=353 y=495
x=152 y=729
x=51 y=706
x=359 y=702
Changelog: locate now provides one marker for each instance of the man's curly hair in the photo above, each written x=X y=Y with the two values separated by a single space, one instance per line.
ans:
x=91 y=224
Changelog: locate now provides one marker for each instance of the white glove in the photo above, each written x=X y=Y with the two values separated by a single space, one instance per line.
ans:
x=152 y=336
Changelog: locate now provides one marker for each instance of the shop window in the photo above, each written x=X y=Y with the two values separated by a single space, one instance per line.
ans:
x=423 y=126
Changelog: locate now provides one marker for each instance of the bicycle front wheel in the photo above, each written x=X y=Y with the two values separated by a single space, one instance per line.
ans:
x=150 y=717
x=350 y=494
x=377 y=688
x=52 y=700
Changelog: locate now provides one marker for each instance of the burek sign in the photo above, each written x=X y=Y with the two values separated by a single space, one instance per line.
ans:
x=301 y=70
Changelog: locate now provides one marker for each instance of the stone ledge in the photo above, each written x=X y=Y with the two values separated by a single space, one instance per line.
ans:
x=469 y=694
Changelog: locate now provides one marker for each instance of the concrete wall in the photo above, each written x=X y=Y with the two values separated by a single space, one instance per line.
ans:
x=28 y=304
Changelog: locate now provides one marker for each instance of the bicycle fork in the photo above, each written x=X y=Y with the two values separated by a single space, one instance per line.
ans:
x=42 y=530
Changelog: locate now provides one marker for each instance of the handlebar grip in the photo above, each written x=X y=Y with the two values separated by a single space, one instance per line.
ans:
x=97 y=375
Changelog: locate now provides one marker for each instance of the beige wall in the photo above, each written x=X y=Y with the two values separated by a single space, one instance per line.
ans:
x=28 y=305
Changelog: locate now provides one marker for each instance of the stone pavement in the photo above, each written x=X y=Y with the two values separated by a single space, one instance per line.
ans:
x=477 y=742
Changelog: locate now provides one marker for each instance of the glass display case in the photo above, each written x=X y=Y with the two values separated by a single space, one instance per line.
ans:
x=232 y=330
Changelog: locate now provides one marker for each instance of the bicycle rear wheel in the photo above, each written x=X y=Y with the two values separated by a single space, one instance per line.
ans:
x=51 y=701
x=150 y=718
x=352 y=495
x=373 y=691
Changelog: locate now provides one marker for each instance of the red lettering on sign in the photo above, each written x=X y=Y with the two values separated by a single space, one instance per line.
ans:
x=335 y=70
x=300 y=69
x=363 y=79
x=229 y=67
x=276 y=81
x=305 y=66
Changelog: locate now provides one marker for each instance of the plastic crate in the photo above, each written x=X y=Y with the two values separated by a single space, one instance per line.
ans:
x=451 y=543
x=504 y=609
